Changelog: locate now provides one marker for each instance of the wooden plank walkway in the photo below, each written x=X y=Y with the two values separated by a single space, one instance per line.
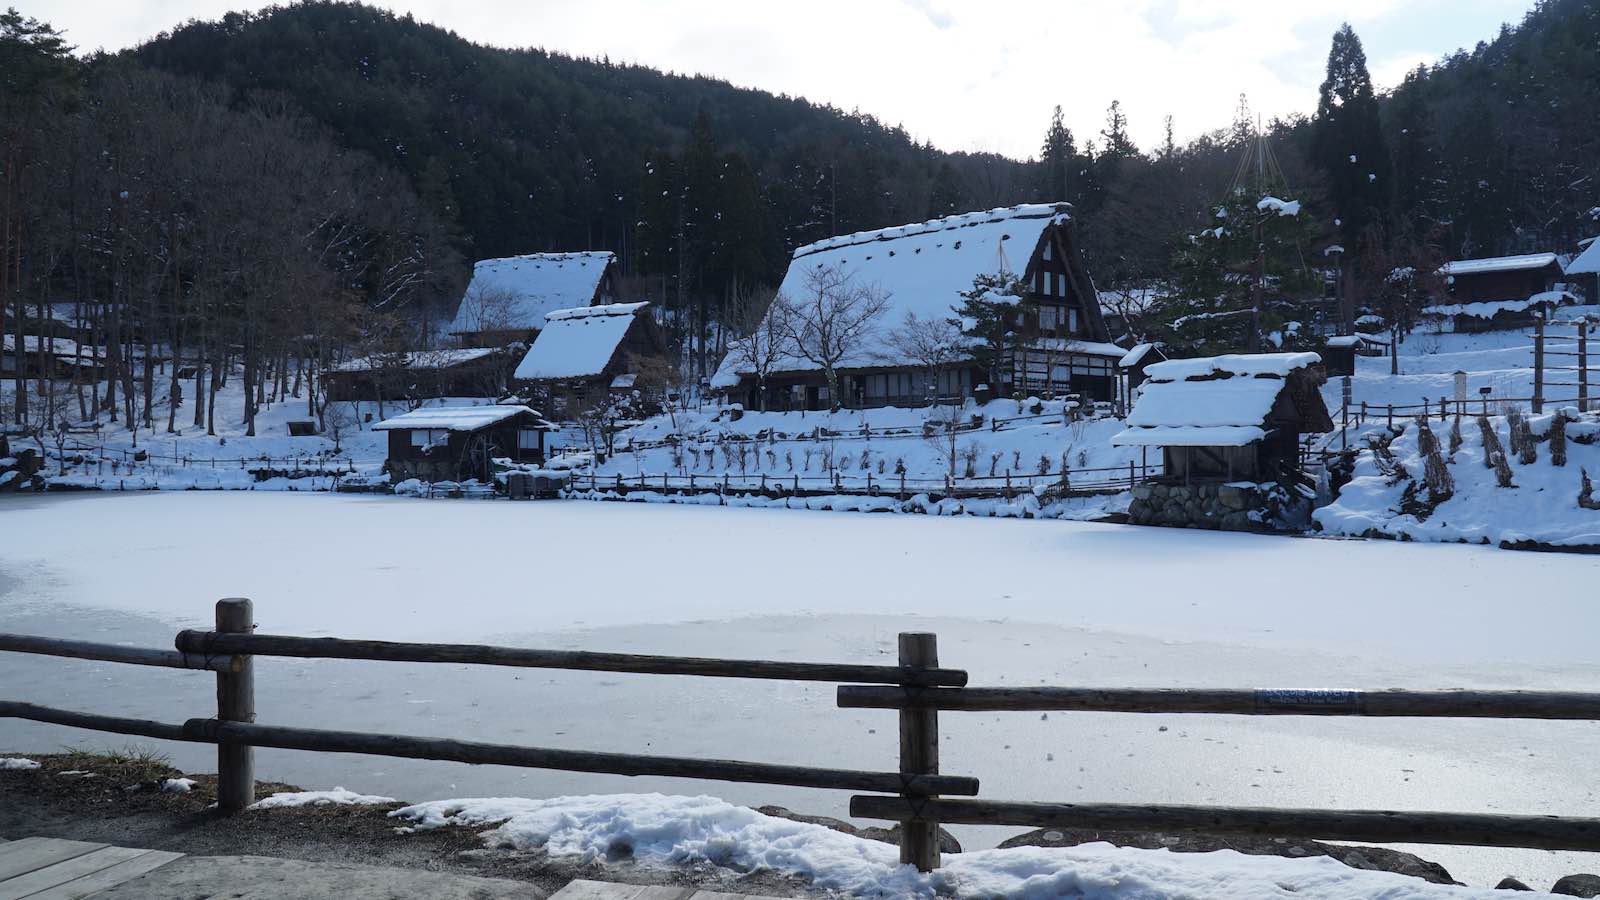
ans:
x=600 y=890
x=39 y=868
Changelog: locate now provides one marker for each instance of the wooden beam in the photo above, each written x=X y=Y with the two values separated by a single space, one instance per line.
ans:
x=137 y=656
x=1374 y=826
x=199 y=642
x=11 y=709
x=212 y=731
x=1575 y=705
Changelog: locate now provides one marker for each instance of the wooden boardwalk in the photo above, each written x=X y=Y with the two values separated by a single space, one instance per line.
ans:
x=600 y=890
x=39 y=868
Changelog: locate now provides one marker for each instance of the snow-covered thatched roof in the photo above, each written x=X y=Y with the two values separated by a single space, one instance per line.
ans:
x=417 y=359
x=922 y=267
x=1216 y=401
x=1497 y=264
x=455 y=418
x=520 y=290
x=1588 y=262
x=578 y=343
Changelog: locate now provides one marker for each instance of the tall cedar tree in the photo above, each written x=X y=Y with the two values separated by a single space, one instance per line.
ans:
x=1059 y=163
x=1348 y=146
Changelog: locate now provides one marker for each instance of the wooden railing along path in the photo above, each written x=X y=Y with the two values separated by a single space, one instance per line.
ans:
x=916 y=794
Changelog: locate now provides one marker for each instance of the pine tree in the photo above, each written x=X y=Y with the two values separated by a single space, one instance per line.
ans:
x=1348 y=145
x=988 y=315
x=1059 y=163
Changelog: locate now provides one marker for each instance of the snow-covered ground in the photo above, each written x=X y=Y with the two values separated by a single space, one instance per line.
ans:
x=1013 y=602
x=1541 y=504
x=1033 y=441
x=676 y=830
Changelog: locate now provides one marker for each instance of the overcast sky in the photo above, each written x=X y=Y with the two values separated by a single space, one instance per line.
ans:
x=964 y=74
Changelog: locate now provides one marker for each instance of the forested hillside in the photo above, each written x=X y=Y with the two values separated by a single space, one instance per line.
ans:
x=286 y=188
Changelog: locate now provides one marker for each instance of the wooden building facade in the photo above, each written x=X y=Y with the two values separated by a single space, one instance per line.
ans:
x=461 y=443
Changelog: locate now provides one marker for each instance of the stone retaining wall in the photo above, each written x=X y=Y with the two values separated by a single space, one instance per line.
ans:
x=1221 y=506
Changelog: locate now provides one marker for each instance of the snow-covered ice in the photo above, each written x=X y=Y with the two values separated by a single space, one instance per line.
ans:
x=1014 y=602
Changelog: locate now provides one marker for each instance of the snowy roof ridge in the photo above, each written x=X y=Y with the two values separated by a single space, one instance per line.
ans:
x=1497 y=264
x=947 y=223
x=454 y=418
x=579 y=256
x=604 y=309
x=1240 y=365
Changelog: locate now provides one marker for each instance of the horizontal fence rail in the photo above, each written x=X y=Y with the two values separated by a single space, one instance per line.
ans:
x=1569 y=705
x=213 y=731
x=1375 y=826
x=207 y=642
x=138 y=656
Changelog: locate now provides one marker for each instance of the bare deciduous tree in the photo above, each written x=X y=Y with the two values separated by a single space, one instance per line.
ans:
x=830 y=321
x=934 y=344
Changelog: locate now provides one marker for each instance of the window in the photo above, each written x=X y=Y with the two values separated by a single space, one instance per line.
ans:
x=528 y=439
x=1047 y=318
x=1046 y=249
x=425 y=437
x=1072 y=321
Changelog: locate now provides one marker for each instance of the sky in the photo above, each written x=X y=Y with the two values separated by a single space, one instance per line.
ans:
x=967 y=75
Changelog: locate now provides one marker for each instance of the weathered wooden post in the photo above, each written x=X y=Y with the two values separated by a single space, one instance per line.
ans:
x=919 y=753
x=1583 y=367
x=1538 y=363
x=236 y=702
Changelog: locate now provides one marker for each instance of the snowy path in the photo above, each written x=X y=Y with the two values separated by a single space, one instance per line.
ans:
x=1013 y=601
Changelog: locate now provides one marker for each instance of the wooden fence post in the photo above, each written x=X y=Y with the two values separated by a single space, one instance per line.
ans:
x=919 y=753
x=236 y=702
x=1538 y=364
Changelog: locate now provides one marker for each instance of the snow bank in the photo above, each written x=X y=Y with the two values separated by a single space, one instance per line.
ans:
x=17 y=763
x=665 y=830
x=1541 y=507
x=336 y=797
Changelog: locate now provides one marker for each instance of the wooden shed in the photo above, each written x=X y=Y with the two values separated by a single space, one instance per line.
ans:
x=1339 y=356
x=460 y=443
x=1229 y=418
x=1499 y=293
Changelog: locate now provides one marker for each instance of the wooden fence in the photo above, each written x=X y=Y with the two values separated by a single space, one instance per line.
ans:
x=917 y=794
x=1072 y=482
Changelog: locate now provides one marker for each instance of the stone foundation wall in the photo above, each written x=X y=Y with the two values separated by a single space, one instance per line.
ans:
x=1221 y=506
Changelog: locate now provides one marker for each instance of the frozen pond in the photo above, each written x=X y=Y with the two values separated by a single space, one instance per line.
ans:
x=1013 y=602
